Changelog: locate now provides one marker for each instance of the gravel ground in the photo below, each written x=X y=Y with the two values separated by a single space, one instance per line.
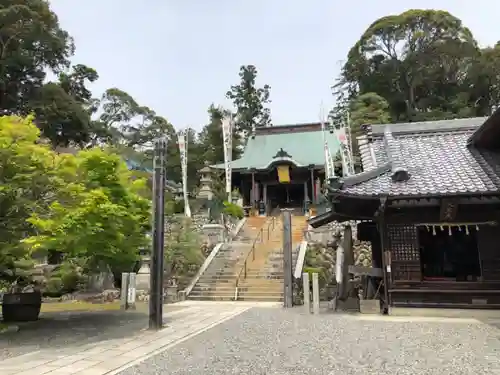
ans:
x=63 y=330
x=277 y=341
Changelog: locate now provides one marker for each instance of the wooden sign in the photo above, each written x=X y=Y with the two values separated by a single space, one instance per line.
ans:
x=449 y=209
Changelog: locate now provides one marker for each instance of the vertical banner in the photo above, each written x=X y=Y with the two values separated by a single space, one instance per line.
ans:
x=183 y=152
x=227 y=136
x=329 y=166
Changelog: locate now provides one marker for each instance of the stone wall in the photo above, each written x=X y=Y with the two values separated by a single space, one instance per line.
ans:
x=322 y=253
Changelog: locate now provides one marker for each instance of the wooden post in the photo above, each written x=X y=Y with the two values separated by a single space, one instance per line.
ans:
x=158 y=248
x=287 y=259
x=307 y=297
x=315 y=293
x=384 y=308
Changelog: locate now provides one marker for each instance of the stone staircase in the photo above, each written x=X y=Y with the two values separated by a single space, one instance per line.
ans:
x=219 y=279
x=264 y=277
x=263 y=280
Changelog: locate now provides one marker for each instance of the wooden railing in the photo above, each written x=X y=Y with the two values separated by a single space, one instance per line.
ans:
x=271 y=224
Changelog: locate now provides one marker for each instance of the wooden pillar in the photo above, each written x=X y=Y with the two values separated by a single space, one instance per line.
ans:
x=306 y=194
x=252 y=192
x=287 y=260
x=382 y=228
x=313 y=188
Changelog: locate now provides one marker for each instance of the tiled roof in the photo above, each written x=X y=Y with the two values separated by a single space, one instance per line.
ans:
x=305 y=148
x=435 y=157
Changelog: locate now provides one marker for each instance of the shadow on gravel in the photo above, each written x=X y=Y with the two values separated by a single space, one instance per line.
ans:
x=70 y=329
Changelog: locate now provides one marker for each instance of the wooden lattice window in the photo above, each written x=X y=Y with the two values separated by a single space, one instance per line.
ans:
x=402 y=242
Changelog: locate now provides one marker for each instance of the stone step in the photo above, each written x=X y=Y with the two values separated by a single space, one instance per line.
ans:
x=263 y=271
x=210 y=298
x=213 y=288
x=223 y=292
x=264 y=276
x=242 y=294
x=260 y=289
x=222 y=279
x=261 y=298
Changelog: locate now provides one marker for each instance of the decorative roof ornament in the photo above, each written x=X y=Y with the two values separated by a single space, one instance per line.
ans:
x=282 y=154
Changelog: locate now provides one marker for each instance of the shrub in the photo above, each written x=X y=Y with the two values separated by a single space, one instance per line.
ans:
x=233 y=210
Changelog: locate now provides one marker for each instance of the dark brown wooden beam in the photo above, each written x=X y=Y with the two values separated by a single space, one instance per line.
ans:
x=479 y=213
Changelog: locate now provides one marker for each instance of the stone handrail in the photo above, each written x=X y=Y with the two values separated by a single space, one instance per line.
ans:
x=203 y=268
x=212 y=256
x=299 y=264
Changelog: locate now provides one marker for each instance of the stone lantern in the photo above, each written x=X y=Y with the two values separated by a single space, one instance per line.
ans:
x=205 y=191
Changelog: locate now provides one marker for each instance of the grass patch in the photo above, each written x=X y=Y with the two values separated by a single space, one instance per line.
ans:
x=79 y=306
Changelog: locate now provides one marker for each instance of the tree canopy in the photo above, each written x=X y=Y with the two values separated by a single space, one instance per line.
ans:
x=425 y=64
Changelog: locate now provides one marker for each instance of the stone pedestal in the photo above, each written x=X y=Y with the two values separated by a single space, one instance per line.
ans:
x=214 y=233
x=143 y=276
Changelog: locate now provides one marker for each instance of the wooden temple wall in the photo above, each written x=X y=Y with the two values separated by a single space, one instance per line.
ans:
x=489 y=252
x=404 y=254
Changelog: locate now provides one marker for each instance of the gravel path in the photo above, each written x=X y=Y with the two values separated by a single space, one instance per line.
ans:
x=277 y=341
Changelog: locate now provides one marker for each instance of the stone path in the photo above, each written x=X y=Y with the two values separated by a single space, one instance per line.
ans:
x=115 y=354
x=279 y=342
x=241 y=338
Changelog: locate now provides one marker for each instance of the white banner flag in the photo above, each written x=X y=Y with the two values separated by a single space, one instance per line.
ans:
x=227 y=136
x=183 y=152
x=329 y=166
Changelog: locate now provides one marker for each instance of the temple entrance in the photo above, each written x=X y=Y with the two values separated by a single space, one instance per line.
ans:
x=449 y=253
x=286 y=195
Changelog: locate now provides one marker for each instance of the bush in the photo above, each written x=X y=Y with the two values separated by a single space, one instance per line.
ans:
x=233 y=210
x=322 y=276
x=54 y=287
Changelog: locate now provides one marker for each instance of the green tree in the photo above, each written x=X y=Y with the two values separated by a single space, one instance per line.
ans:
x=416 y=60
x=31 y=43
x=28 y=183
x=211 y=139
x=250 y=101
x=61 y=118
x=369 y=108
x=99 y=215
x=484 y=80
x=183 y=254
x=74 y=82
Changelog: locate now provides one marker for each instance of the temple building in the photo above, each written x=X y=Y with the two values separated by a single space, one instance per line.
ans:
x=282 y=166
x=429 y=202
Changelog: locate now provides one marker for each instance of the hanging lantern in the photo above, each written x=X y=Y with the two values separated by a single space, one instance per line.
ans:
x=467 y=230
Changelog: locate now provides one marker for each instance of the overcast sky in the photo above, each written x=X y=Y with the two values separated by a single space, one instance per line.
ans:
x=179 y=56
